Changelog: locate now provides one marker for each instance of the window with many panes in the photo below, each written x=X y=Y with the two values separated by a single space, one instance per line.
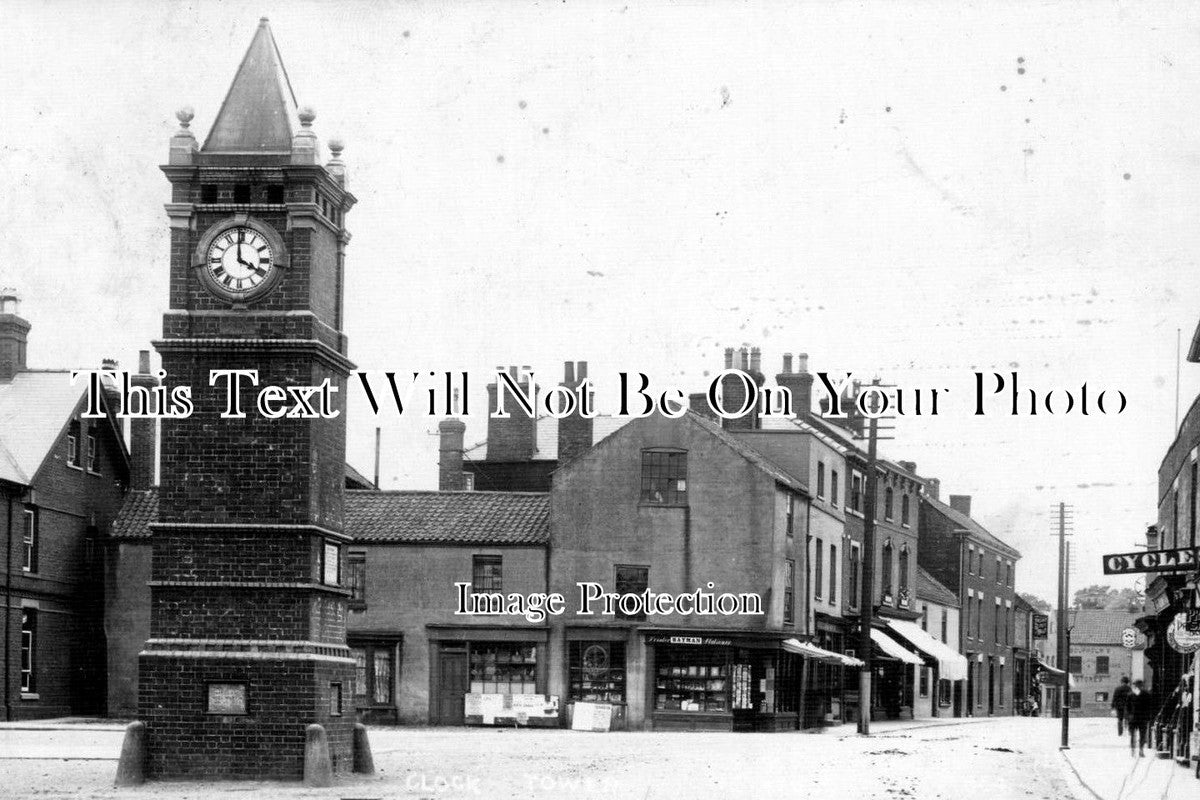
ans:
x=818 y=568
x=487 y=574
x=503 y=667
x=29 y=541
x=1101 y=665
x=789 y=591
x=664 y=477
x=356 y=579
x=597 y=672
x=28 y=650
x=1075 y=665
x=73 y=444
x=631 y=579
x=374 y=673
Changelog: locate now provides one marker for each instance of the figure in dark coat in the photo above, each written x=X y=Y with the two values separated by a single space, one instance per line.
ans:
x=1139 y=713
x=1119 y=700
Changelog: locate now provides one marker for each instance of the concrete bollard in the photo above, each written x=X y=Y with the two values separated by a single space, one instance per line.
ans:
x=131 y=769
x=318 y=766
x=364 y=762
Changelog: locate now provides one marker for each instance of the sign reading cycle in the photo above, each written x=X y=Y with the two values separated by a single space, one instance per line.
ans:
x=1183 y=558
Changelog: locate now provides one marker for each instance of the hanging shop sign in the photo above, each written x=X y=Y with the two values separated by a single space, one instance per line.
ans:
x=1180 y=638
x=1129 y=638
x=1041 y=626
x=1183 y=558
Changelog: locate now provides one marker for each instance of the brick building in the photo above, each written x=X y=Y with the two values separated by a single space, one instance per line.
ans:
x=62 y=479
x=1099 y=661
x=981 y=570
x=943 y=684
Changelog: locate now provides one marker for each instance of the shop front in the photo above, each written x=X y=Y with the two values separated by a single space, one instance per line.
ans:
x=892 y=686
x=943 y=669
x=721 y=681
x=475 y=672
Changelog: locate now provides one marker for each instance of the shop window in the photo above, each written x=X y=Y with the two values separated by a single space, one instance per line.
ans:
x=852 y=576
x=356 y=579
x=904 y=509
x=888 y=498
x=695 y=679
x=945 y=689
x=664 y=477
x=93 y=454
x=1075 y=699
x=924 y=681
x=787 y=680
x=29 y=541
x=834 y=488
x=818 y=569
x=487 y=574
x=503 y=668
x=1101 y=665
x=833 y=573
x=597 y=672
x=29 y=650
x=374 y=671
x=821 y=480
x=631 y=580
x=789 y=590
x=1075 y=665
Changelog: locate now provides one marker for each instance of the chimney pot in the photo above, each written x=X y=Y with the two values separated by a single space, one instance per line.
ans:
x=744 y=359
x=580 y=370
x=728 y=358
x=755 y=360
x=144 y=362
x=569 y=373
x=787 y=363
x=450 y=455
x=802 y=363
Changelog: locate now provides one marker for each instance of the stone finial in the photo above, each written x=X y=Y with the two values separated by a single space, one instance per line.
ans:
x=183 y=142
x=304 y=142
x=335 y=165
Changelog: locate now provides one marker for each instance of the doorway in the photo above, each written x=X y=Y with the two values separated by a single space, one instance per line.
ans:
x=452 y=687
x=991 y=685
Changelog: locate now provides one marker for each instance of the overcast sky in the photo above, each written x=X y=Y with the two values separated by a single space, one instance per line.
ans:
x=915 y=190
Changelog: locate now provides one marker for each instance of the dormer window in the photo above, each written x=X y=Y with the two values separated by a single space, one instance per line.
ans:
x=664 y=477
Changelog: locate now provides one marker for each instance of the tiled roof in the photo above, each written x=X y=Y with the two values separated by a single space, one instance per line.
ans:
x=139 y=510
x=977 y=530
x=547 y=437
x=928 y=588
x=448 y=517
x=35 y=406
x=746 y=451
x=1098 y=626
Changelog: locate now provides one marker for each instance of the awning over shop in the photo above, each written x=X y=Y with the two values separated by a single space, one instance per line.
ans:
x=818 y=654
x=894 y=648
x=952 y=666
x=1056 y=675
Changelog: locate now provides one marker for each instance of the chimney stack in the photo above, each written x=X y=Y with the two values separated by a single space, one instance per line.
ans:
x=733 y=389
x=961 y=503
x=1152 y=537
x=799 y=383
x=908 y=466
x=575 y=432
x=143 y=432
x=450 y=455
x=933 y=488
x=14 y=333
x=515 y=438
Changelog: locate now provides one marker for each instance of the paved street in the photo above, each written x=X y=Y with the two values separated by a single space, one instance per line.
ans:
x=1004 y=758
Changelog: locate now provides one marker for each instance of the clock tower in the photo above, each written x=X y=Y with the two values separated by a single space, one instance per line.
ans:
x=247 y=646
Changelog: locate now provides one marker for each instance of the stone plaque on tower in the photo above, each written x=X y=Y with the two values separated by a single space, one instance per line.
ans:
x=247 y=645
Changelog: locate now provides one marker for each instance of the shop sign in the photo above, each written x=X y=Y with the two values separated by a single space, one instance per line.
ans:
x=510 y=709
x=1180 y=638
x=1128 y=638
x=1180 y=559
x=1041 y=626
x=591 y=717
x=1193 y=620
x=692 y=640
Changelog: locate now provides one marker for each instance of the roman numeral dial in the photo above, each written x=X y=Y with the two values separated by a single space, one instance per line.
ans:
x=239 y=261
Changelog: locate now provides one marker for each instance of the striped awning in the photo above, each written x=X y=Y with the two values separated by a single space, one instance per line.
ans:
x=894 y=649
x=819 y=654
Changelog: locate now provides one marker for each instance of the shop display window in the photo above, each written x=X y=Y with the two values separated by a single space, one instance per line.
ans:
x=693 y=680
x=503 y=668
x=597 y=672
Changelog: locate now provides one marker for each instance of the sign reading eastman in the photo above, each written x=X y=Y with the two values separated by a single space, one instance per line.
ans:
x=1181 y=559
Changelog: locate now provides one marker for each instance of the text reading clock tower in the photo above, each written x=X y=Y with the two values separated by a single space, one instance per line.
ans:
x=248 y=612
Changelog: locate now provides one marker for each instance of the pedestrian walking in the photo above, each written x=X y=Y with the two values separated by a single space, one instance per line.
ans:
x=1139 y=713
x=1119 y=700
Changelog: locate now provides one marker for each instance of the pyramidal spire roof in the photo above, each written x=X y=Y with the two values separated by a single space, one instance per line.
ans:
x=259 y=114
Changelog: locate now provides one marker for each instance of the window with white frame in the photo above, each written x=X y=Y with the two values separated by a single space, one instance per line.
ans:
x=29 y=541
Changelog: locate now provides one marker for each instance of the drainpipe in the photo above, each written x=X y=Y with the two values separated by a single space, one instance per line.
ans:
x=8 y=610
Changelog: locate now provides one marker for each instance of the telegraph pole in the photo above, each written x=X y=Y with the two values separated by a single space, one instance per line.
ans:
x=867 y=590
x=1064 y=643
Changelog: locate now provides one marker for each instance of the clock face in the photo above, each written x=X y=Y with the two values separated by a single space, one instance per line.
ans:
x=239 y=261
